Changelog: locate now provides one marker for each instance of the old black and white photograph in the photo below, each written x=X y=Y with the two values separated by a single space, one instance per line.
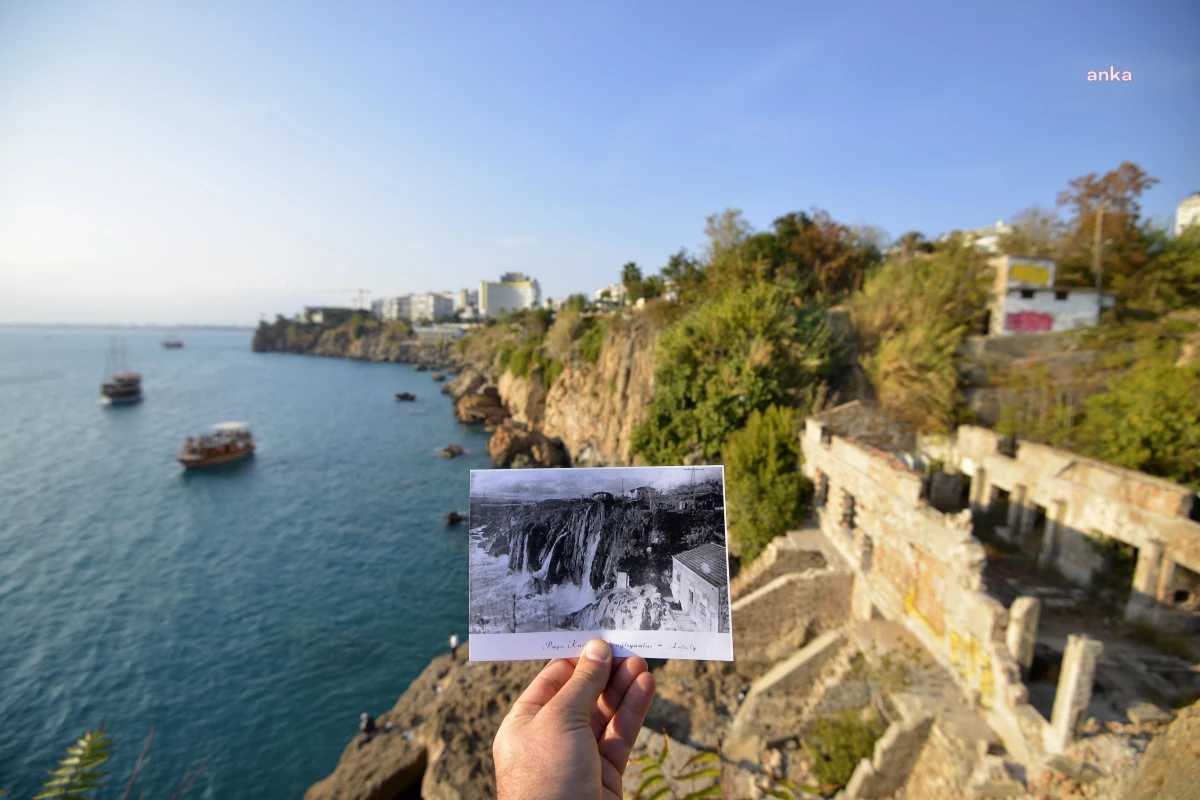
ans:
x=634 y=555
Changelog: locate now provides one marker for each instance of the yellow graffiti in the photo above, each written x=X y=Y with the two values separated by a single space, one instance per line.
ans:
x=972 y=663
x=910 y=608
x=1029 y=273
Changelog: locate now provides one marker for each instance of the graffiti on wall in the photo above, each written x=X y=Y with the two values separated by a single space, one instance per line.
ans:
x=973 y=664
x=1028 y=322
x=1029 y=273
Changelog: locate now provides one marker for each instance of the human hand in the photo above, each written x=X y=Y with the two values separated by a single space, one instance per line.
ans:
x=569 y=735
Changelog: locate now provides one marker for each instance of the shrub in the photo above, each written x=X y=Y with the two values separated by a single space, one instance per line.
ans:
x=551 y=372
x=563 y=333
x=521 y=360
x=1148 y=420
x=504 y=355
x=734 y=354
x=767 y=493
x=837 y=744
x=354 y=326
x=591 y=342
x=910 y=318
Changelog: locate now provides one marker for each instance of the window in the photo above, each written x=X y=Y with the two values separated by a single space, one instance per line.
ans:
x=1061 y=295
x=691 y=597
x=1027 y=294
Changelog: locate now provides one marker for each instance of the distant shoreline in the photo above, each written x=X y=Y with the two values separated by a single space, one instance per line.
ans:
x=130 y=326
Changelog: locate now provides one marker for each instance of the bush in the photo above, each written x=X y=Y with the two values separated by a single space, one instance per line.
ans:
x=504 y=355
x=591 y=342
x=551 y=372
x=733 y=355
x=837 y=744
x=910 y=318
x=563 y=333
x=1148 y=420
x=767 y=493
x=521 y=360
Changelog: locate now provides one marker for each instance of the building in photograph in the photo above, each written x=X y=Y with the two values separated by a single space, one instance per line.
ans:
x=613 y=293
x=1187 y=213
x=328 y=315
x=513 y=292
x=699 y=579
x=1025 y=299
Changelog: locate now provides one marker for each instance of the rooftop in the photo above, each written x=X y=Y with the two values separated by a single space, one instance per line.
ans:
x=709 y=562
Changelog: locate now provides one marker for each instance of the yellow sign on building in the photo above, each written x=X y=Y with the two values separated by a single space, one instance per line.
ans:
x=1029 y=273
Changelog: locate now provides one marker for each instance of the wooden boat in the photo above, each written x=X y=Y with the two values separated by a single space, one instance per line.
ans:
x=407 y=397
x=124 y=386
x=229 y=442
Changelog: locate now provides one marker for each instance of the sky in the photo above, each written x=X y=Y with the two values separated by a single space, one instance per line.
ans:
x=215 y=162
x=543 y=484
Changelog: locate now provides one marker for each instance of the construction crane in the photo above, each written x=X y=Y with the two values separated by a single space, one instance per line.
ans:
x=360 y=296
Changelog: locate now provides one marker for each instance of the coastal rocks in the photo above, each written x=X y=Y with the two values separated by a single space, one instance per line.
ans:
x=440 y=742
x=637 y=608
x=452 y=451
x=524 y=397
x=512 y=445
x=469 y=381
x=453 y=518
x=480 y=408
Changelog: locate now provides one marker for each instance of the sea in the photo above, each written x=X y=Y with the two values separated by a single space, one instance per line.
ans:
x=248 y=614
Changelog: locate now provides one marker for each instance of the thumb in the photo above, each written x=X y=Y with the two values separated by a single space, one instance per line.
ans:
x=578 y=697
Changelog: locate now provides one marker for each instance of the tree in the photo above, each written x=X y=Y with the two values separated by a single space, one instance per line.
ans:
x=1037 y=233
x=914 y=242
x=684 y=274
x=730 y=356
x=652 y=287
x=631 y=279
x=910 y=318
x=1148 y=420
x=872 y=236
x=576 y=302
x=767 y=492
x=1122 y=232
x=726 y=232
x=1172 y=275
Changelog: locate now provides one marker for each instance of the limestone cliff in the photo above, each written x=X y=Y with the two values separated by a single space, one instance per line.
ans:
x=375 y=343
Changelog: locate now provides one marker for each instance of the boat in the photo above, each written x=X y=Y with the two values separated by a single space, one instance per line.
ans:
x=229 y=442
x=123 y=386
x=407 y=397
x=172 y=342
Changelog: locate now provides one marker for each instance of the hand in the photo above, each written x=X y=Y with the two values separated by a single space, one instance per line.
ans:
x=570 y=733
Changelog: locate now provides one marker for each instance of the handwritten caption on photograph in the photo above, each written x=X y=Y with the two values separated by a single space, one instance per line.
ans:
x=575 y=647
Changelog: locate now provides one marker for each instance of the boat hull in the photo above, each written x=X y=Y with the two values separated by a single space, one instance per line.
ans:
x=193 y=462
x=119 y=400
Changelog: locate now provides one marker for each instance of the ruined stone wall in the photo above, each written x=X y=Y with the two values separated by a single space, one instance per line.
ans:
x=916 y=566
x=1081 y=501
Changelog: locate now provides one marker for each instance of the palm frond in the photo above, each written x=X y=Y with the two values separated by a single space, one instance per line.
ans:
x=77 y=775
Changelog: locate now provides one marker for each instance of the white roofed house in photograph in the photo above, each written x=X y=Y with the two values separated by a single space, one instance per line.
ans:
x=700 y=585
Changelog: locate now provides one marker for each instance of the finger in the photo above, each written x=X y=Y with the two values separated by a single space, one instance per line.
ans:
x=543 y=688
x=622 y=732
x=576 y=700
x=625 y=672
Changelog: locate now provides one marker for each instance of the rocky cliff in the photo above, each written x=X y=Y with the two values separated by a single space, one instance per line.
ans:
x=366 y=343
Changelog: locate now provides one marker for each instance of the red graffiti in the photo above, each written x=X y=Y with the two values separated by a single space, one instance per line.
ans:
x=1028 y=322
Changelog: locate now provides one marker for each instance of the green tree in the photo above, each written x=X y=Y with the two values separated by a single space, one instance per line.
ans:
x=910 y=318
x=631 y=279
x=684 y=274
x=1172 y=276
x=1037 y=233
x=913 y=242
x=1122 y=230
x=728 y=357
x=725 y=231
x=767 y=493
x=1148 y=420
x=652 y=287
x=576 y=302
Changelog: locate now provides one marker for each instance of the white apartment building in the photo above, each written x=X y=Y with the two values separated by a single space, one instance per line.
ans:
x=1187 y=213
x=988 y=239
x=430 y=306
x=414 y=307
x=613 y=293
x=513 y=292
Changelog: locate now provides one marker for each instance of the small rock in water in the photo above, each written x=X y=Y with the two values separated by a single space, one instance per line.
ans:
x=453 y=518
x=452 y=451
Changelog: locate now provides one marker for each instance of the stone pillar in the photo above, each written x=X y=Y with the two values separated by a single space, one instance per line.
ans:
x=1074 y=691
x=1028 y=515
x=1054 y=520
x=980 y=491
x=1016 y=502
x=1021 y=634
x=1166 y=582
x=1146 y=573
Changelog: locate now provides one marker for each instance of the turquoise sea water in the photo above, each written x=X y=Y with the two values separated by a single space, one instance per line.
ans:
x=251 y=613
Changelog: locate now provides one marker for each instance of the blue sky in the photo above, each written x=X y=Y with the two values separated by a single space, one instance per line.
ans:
x=209 y=162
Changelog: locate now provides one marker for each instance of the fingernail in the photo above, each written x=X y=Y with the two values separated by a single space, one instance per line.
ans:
x=597 y=650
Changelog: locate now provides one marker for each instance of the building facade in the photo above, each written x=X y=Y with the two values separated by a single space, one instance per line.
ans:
x=515 y=291
x=1025 y=299
x=988 y=239
x=1187 y=213
x=390 y=309
x=613 y=293
x=430 y=306
x=699 y=578
x=328 y=315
